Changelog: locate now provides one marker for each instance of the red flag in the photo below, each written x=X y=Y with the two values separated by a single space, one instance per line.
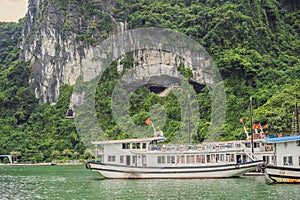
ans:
x=266 y=126
x=148 y=121
x=256 y=126
x=241 y=120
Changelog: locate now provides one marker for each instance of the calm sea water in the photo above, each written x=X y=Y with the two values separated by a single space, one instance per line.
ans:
x=75 y=182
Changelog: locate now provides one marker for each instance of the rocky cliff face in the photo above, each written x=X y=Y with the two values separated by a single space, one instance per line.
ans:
x=59 y=39
x=56 y=43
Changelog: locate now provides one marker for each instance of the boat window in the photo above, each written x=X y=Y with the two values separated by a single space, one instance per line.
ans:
x=230 y=145
x=208 y=158
x=134 y=160
x=248 y=145
x=182 y=159
x=121 y=159
x=266 y=159
x=134 y=145
x=231 y=157
x=227 y=157
x=190 y=159
x=288 y=160
x=222 y=157
x=178 y=159
x=144 y=161
x=158 y=159
x=202 y=158
x=193 y=159
x=238 y=145
x=213 y=158
x=170 y=159
x=298 y=143
x=161 y=159
x=125 y=145
x=111 y=158
x=273 y=159
x=144 y=145
x=198 y=159
x=256 y=145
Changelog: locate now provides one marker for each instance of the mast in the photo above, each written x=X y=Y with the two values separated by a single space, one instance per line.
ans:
x=251 y=125
x=189 y=120
x=297 y=128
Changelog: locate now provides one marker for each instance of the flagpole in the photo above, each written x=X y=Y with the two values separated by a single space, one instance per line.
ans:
x=148 y=121
x=153 y=127
x=251 y=124
x=297 y=117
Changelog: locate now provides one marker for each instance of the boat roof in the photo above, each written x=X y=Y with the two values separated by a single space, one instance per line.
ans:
x=283 y=139
x=159 y=139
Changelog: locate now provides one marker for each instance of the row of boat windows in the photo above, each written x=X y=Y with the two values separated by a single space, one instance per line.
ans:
x=113 y=159
x=136 y=145
x=288 y=160
x=191 y=159
x=255 y=145
x=139 y=145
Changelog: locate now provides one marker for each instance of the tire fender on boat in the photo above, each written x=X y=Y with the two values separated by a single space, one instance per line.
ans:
x=262 y=166
x=87 y=165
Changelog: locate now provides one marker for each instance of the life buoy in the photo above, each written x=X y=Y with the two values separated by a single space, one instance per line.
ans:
x=199 y=147
x=268 y=148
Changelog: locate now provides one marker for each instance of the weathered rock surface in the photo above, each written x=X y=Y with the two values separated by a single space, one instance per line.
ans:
x=59 y=40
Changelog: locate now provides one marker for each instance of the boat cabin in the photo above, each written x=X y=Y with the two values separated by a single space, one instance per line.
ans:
x=150 y=152
x=287 y=150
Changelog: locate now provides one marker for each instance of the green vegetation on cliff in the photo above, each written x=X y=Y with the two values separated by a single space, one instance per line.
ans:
x=255 y=45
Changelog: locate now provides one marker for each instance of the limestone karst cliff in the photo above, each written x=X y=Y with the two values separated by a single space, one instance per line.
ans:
x=60 y=38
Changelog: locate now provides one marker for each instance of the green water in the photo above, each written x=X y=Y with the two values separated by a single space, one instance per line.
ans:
x=75 y=182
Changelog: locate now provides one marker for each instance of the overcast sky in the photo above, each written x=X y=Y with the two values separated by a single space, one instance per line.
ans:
x=12 y=10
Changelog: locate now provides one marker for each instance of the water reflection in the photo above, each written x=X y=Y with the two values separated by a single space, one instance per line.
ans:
x=75 y=182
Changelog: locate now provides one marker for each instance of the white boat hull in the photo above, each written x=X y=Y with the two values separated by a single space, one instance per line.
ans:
x=172 y=172
x=283 y=174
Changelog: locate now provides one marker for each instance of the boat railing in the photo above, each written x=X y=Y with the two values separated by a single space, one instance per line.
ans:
x=198 y=147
